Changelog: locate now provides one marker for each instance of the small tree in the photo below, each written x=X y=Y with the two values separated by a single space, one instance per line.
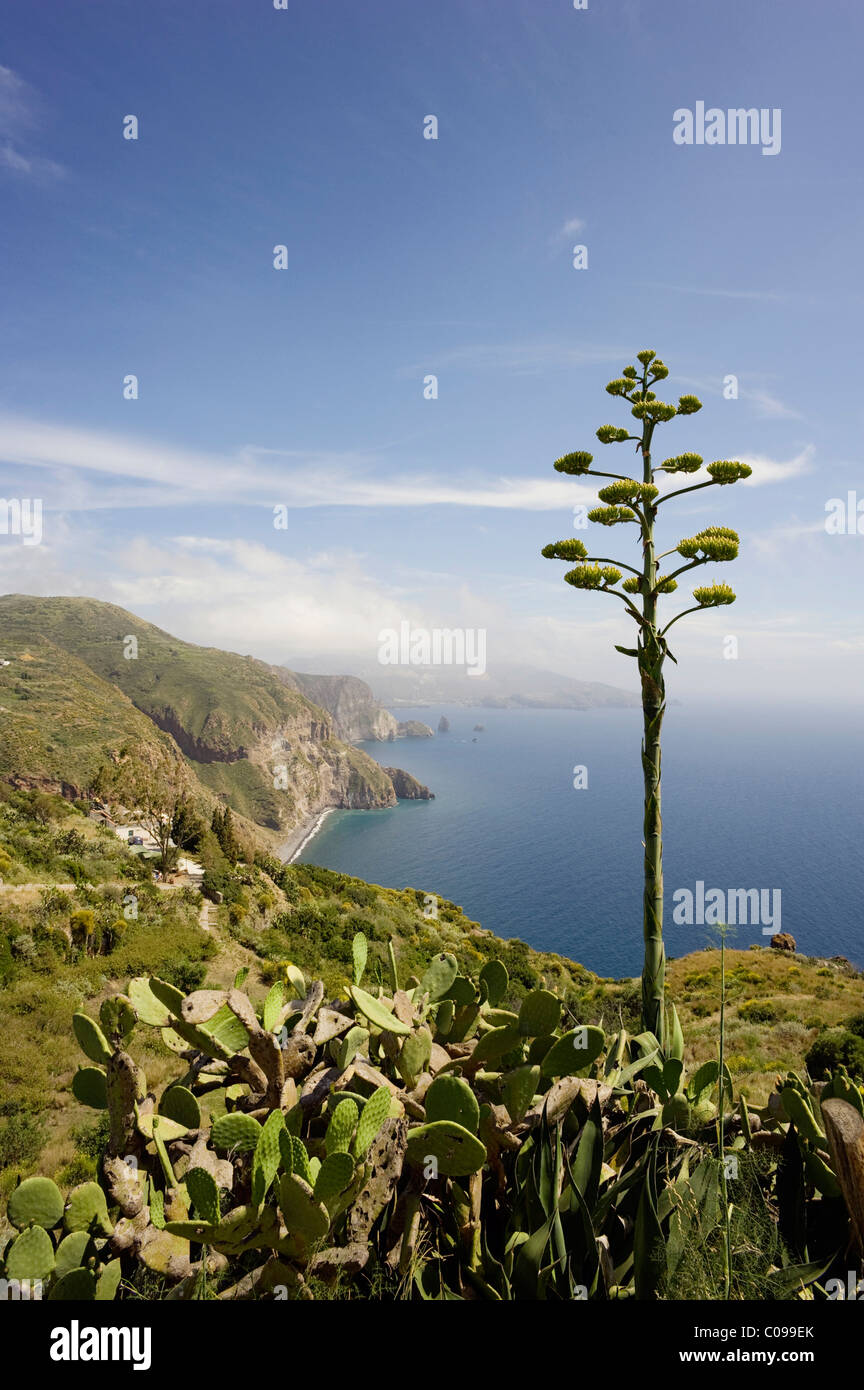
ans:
x=637 y=501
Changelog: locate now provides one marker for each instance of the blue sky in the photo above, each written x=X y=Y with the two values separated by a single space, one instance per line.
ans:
x=407 y=256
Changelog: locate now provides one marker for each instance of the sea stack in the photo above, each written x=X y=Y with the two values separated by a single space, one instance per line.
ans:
x=443 y=725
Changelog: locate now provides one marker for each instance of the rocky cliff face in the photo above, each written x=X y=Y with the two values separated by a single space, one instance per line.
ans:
x=406 y=787
x=356 y=714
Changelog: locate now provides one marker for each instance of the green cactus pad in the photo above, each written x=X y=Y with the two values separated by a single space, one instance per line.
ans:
x=494 y=976
x=456 y=1151
x=359 y=953
x=376 y=1012
x=204 y=1193
x=87 y=1210
x=573 y=1052
x=334 y=1175
x=169 y=995
x=237 y=1131
x=798 y=1110
x=72 y=1252
x=265 y=1163
x=296 y=980
x=340 y=1130
x=676 y=1112
x=78 y=1286
x=304 y=1214
x=348 y=1046
x=414 y=1055
x=300 y=1159
x=108 y=1282
x=118 y=1017
x=36 y=1202
x=462 y=991
x=179 y=1104
x=273 y=1006
x=91 y=1039
x=147 y=1005
x=439 y=976
x=451 y=1098
x=444 y=1015
x=241 y=977
x=168 y=1129
x=518 y=1089
x=539 y=1047
x=90 y=1087
x=372 y=1117
x=496 y=1043
x=31 y=1256
x=226 y=1030
x=501 y=1018
x=539 y=1014
x=157 y=1208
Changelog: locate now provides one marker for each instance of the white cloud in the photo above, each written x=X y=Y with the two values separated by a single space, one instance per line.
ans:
x=18 y=118
x=767 y=470
x=96 y=470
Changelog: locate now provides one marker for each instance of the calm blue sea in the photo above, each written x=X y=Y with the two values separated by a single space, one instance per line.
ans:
x=766 y=799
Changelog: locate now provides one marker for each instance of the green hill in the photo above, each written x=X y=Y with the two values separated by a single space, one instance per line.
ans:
x=84 y=677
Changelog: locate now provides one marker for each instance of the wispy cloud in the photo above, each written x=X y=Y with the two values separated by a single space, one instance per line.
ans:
x=767 y=470
x=770 y=406
x=92 y=470
x=770 y=296
x=19 y=106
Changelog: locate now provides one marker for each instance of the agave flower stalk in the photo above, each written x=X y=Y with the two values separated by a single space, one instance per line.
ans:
x=635 y=501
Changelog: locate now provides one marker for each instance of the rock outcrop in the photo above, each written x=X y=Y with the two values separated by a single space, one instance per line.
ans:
x=443 y=725
x=406 y=787
x=412 y=728
x=357 y=715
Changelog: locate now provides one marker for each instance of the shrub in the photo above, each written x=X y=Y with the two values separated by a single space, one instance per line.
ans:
x=22 y=1138
x=835 y=1048
x=760 y=1011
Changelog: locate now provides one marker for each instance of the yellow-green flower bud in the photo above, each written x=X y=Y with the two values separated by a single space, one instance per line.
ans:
x=611 y=516
x=683 y=463
x=713 y=595
x=726 y=471
x=574 y=463
x=688 y=405
x=571 y=549
x=611 y=434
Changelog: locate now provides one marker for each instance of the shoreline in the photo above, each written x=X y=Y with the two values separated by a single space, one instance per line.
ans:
x=302 y=834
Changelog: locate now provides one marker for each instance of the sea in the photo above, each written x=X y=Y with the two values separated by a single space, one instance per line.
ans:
x=536 y=827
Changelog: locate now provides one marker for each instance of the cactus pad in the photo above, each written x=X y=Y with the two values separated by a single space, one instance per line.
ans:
x=440 y=975
x=108 y=1282
x=71 y=1252
x=348 y=1047
x=372 y=1117
x=273 y=1007
x=333 y=1177
x=496 y=1043
x=118 y=1018
x=518 y=1089
x=78 y=1286
x=149 y=1007
x=304 y=1215
x=204 y=1193
x=376 y=1012
x=451 y=1098
x=462 y=991
x=36 y=1202
x=539 y=1014
x=359 y=953
x=414 y=1055
x=90 y=1087
x=87 y=1210
x=573 y=1052
x=265 y=1163
x=31 y=1256
x=179 y=1104
x=340 y=1130
x=494 y=976
x=235 y=1131
x=91 y=1039
x=455 y=1151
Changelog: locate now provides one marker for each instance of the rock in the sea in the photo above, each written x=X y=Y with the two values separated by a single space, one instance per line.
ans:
x=479 y=728
x=413 y=728
x=783 y=941
x=406 y=787
x=443 y=725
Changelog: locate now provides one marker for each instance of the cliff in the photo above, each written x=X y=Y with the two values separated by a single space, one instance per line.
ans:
x=407 y=788
x=86 y=678
x=355 y=712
